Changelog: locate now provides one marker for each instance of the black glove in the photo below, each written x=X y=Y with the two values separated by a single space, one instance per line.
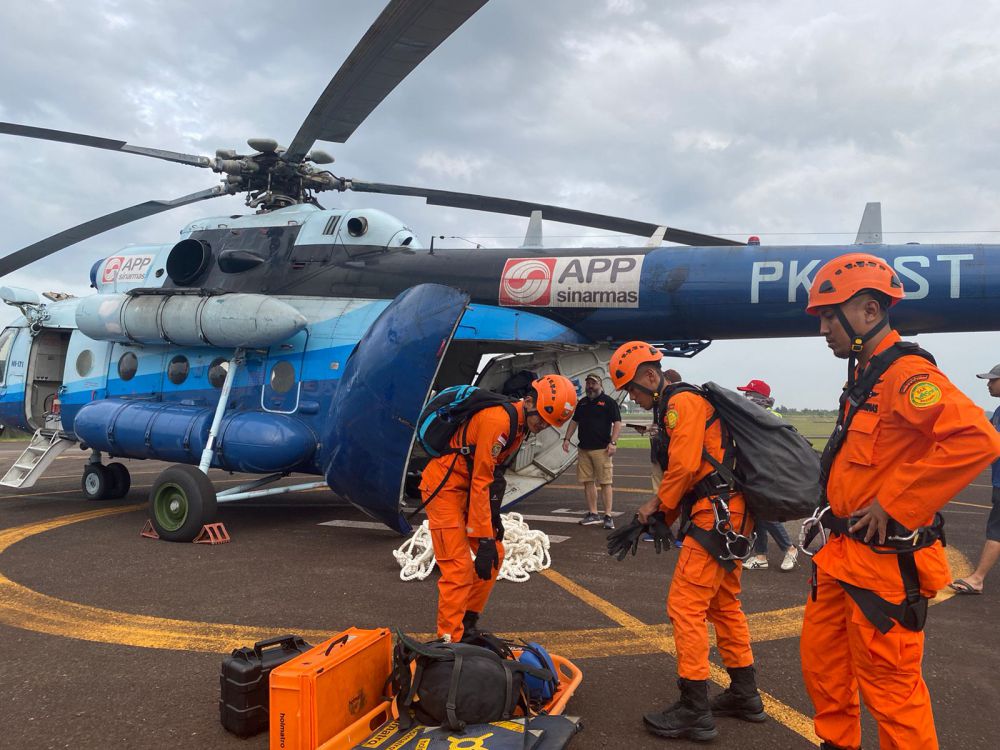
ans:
x=625 y=538
x=487 y=558
x=663 y=537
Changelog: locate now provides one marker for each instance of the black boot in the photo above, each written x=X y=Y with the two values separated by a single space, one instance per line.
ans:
x=741 y=698
x=469 y=629
x=829 y=746
x=689 y=717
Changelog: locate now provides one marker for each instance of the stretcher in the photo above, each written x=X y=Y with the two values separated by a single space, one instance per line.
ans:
x=333 y=697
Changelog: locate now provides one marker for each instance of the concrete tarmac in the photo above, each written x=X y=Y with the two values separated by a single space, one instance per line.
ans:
x=112 y=640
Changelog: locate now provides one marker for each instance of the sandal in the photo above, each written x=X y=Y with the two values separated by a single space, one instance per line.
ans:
x=961 y=586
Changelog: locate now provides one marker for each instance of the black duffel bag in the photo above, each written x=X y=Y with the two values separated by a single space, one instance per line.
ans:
x=456 y=684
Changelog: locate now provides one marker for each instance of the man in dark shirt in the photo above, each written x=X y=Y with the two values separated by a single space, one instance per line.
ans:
x=599 y=421
x=973 y=583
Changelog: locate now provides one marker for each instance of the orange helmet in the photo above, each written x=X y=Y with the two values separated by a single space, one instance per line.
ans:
x=627 y=358
x=846 y=275
x=555 y=399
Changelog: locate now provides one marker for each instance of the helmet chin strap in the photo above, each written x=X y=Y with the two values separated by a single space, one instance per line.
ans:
x=648 y=391
x=857 y=341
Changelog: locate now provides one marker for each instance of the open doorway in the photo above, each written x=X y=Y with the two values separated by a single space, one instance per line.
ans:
x=46 y=364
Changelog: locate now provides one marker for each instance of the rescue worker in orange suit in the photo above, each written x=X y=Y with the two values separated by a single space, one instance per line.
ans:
x=705 y=586
x=460 y=516
x=912 y=441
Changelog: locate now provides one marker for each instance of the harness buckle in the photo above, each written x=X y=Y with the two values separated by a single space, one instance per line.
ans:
x=811 y=528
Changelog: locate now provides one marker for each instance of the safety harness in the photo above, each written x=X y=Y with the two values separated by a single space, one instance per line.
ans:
x=911 y=613
x=724 y=542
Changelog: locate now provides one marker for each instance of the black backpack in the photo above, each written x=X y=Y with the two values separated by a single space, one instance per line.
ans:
x=456 y=684
x=765 y=458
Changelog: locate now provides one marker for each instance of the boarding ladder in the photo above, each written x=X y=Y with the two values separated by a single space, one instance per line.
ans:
x=44 y=448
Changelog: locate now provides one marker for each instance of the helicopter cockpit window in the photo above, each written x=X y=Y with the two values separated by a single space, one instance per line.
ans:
x=282 y=377
x=128 y=365
x=6 y=343
x=217 y=372
x=84 y=362
x=177 y=370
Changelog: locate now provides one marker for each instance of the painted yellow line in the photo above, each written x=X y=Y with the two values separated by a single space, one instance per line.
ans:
x=970 y=505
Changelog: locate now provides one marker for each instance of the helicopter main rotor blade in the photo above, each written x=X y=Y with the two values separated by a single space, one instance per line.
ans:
x=404 y=34
x=64 y=136
x=553 y=213
x=43 y=248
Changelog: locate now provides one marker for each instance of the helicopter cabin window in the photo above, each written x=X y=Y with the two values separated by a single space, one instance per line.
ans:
x=177 y=370
x=282 y=377
x=84 y=362
x=6 y=344
x=217 y=372
x=128 y=365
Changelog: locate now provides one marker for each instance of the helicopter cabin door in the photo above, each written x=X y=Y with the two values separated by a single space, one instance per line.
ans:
x=44 y=378
x=283 y=375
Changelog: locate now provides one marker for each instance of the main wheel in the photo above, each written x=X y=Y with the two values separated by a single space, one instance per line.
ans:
x=181 y=501
x=121 y=480
x=97 y=482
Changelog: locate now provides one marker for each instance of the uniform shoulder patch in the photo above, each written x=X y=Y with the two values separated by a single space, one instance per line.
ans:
x=496 y=449
x=924 y=393
x=672 y=418
x=912 y=381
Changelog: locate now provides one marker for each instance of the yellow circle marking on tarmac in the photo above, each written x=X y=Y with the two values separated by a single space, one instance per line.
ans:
x=24 y=608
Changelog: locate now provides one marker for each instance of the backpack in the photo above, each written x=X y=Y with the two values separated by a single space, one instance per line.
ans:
x=518 y=385
x=765 y=458
x=535 y=655
x=452 y=408
x=456 y=684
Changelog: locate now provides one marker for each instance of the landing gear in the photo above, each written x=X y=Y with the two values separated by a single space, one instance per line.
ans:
x=181 y=501
x=97 y=482
x=109 y=482
x=121 y=480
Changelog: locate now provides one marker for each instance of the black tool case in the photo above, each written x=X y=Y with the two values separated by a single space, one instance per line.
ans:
x=243 y=679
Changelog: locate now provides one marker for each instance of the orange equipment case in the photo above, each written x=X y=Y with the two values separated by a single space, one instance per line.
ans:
x=332 y=692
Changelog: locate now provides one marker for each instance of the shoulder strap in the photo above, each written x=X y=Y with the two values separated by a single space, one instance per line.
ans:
x=855 y=397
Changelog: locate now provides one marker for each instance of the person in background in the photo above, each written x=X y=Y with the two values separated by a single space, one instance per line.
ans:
x=760 y=393
x=973 y=583
x=599 y=421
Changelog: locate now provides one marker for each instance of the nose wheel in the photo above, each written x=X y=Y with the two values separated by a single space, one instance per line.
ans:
x=181 y=501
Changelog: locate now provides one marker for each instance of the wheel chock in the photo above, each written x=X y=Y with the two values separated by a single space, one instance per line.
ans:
x=148 y=531
x=212 y=533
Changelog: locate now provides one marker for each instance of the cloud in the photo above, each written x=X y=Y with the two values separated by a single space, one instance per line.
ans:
x=779 y=119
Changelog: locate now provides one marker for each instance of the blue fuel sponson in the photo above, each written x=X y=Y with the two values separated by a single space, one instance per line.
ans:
x=249 y=441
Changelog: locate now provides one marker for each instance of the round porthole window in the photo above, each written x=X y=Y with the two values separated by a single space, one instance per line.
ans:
x=127 y=366
x=282 y=377
x=217 y=372
x=84 y=362
x=177 y=370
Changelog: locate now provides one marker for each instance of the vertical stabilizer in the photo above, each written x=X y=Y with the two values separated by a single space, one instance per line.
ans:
x=870 y=231
x=533 y=237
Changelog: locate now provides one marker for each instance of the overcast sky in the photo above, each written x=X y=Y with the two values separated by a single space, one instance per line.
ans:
x=779 y=119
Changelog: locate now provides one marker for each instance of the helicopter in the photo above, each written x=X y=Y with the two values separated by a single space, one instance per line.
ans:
x=304 y=340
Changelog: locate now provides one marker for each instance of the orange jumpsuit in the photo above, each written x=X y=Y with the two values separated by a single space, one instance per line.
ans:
x=701 y=588
x=458 y=517
x=919 y=441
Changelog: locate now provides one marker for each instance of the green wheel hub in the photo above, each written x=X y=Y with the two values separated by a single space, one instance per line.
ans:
x=170 y=506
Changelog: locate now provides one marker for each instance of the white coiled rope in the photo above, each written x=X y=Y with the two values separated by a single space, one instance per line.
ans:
x=526 y=551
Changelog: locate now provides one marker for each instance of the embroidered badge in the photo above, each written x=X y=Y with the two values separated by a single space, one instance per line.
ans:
x=495 y=450
x=924 y=394
x=672 y=418
x=910 y=382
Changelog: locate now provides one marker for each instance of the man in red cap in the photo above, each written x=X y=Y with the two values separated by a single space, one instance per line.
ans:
x=760 y=393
